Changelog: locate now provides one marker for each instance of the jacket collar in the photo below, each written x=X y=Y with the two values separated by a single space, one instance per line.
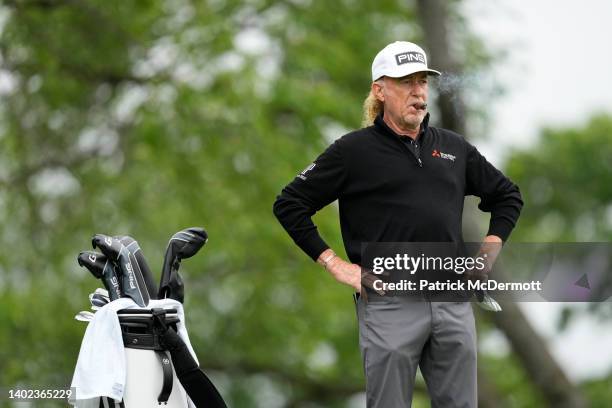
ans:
x=383 y=128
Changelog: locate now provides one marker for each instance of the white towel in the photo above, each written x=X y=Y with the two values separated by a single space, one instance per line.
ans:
x=101 y=367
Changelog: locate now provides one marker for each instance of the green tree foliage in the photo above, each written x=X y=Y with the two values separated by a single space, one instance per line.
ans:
x=147 y=117
x=566 y=181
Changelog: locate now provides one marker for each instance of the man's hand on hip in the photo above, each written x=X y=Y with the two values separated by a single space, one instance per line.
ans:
x=489 y=250
x=349 y=273
x=344 y=272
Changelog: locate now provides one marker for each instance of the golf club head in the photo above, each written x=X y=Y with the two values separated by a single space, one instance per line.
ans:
x=101 y=292
x=84 y=316
x=132 y=281
x=486 y=302
x=183 y=244
x=141 y=263
x=98 y=300
x=103 y=269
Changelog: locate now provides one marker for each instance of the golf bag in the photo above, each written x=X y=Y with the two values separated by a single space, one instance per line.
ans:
x=126 y=357
x=151 y=379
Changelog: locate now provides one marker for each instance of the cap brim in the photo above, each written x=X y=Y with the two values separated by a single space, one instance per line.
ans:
x=403 y=74
x=406 y=72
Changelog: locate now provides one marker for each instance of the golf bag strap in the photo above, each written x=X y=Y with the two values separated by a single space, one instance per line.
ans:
x=159 y=317
x=168 y=378
x=142 y=341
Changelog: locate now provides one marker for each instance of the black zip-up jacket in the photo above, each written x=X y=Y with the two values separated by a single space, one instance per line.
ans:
x=391 y=189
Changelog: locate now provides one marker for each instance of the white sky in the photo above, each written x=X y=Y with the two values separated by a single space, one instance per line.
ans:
x=558 y=73
x=559 y=67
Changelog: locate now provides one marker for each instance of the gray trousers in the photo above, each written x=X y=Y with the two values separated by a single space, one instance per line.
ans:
x=397 y=335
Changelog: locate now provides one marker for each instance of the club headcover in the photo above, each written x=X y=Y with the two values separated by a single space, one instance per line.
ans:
x=132 y=281
x=141 y=263
x=184 y=244
x=103 y=269
x=190 y=241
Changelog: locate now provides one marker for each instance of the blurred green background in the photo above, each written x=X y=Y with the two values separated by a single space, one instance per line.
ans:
x=147 y=117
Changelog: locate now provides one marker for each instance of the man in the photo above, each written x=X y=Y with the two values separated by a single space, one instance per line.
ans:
x=401 y=180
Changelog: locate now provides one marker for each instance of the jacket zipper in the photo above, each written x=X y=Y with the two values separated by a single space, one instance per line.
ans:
x=416 y=154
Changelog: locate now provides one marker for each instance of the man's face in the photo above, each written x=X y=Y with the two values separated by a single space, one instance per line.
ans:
x=403 y=98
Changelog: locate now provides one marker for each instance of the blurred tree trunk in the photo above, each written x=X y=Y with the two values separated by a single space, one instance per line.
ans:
x=488 y=394
x=434 y=18
x=533 y=353
x=531 y=349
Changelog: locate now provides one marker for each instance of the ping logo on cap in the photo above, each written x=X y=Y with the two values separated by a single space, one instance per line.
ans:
x=410 y=56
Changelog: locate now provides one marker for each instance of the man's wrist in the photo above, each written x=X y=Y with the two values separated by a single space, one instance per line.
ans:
x=326 y=257
x=327 y=260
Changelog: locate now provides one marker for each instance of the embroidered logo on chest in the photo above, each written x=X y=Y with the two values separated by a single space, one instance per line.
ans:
x=446 y=156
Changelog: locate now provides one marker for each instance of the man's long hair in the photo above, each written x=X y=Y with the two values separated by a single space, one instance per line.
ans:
x=371 y=108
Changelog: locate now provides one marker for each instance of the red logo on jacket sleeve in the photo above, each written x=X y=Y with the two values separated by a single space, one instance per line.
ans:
x=435 y=153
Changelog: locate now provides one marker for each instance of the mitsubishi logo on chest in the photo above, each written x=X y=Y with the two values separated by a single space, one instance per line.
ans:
x=442 y=155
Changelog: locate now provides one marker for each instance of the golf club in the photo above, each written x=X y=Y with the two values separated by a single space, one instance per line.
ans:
x=486 y=302
x=103 y=269
x=184 y=244
x=132 y=281
x=102 y=292
x=84 y=316
x=97 y=300
x=132 y=245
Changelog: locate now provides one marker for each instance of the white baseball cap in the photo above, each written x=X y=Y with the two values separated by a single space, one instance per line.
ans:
x=399 y=59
